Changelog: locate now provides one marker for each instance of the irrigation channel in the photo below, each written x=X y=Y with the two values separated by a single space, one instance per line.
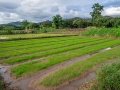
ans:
x=23 y=84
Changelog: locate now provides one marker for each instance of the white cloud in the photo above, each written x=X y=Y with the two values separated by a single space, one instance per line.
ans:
x=39 y=10
x=112 y=11
x=8 y=17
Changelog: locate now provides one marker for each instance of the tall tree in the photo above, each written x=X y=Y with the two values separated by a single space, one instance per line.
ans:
x=25 y=23
x=97 y=9
x=57 y=21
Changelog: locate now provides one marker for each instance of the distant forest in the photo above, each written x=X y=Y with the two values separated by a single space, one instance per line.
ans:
x=58 y=22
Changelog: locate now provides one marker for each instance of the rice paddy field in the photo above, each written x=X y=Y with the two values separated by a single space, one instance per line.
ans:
x=26 y=57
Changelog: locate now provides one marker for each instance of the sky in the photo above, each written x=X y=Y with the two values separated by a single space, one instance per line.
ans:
x=41 y=10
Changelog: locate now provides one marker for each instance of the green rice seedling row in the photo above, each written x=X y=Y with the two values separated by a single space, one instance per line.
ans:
x=50 y=52
x=79 y=67
x=10 y=53
x=35 y=41
x=23 y=43
x=38 y=45
x=34 y=66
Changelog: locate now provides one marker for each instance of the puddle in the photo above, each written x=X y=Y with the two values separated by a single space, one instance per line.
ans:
x=4 y=74
x=106 y=49
x=23 y=84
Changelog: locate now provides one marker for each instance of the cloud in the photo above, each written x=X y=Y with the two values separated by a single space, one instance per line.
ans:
x=9 y=17
x=8 y=6
x=73 y=8
x=40 y=10
x=112 y=3
x=54 y=9
x=112 y=11
x=112 y=8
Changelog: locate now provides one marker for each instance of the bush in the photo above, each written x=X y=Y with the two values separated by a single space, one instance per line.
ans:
x=111 y=32
x=108 y=77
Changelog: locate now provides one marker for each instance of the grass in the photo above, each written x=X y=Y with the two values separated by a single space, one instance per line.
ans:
x=41 y=47
x=34 y=66
x=48 y=46
x=109 y=32
x=76 y=69
x=49 y=52
x=108 y=77
x=35 y=41
x=4 y=32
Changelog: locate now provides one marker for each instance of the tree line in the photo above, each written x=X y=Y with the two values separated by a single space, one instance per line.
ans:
x=58 y=22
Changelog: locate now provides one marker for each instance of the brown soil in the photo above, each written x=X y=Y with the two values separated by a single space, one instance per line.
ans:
x=87 y=85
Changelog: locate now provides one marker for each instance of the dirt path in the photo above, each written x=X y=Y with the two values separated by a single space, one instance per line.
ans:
x=23 y=83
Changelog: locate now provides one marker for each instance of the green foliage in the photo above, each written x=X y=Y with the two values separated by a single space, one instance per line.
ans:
x=25 y=23
x=46 y=29
x=46 y=23
x=77 y=23
x=32 y=25
x=109 y=32
x=57 y=21
x=108 y=77
x=97 y=9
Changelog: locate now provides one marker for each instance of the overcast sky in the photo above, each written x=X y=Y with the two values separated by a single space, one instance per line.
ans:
x=40 y=10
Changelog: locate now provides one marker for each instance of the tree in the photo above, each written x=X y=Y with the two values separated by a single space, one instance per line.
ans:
x=97 y=9
x=25 y=23
x=68 y=23
x=46 y=23
x=57 y=21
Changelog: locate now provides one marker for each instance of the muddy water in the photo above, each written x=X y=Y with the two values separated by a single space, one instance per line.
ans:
x=4 y=74
x=23 y=84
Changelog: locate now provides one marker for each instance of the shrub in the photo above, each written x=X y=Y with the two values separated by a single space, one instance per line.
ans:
x=111 y=32
x=108 y=77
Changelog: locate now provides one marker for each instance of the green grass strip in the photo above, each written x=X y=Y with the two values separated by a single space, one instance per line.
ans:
x=79 y=67
x=34 y=66
x=50 y=52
